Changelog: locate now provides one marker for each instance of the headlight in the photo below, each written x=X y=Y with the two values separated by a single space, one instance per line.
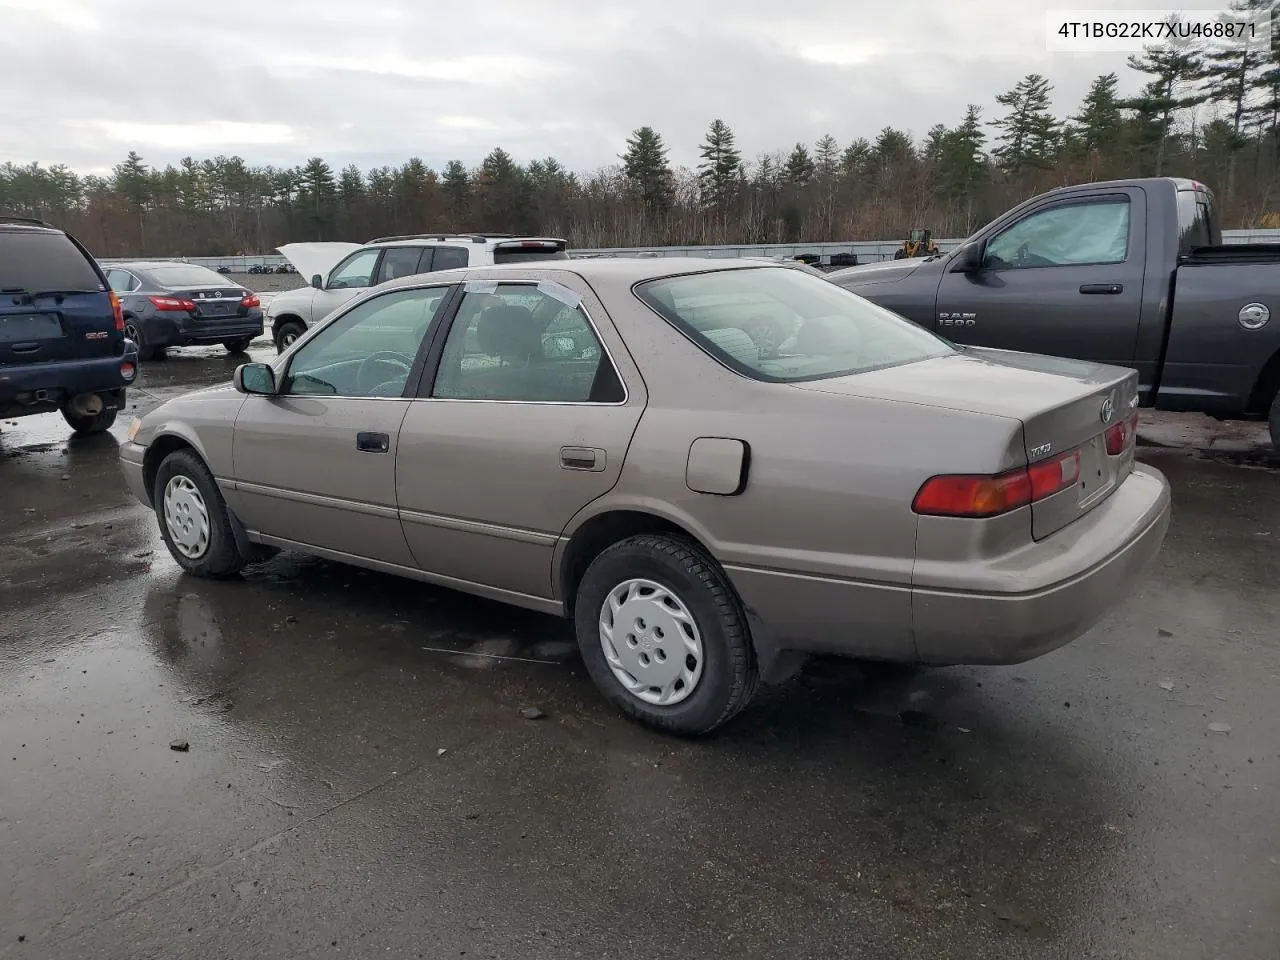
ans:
x=134 y=428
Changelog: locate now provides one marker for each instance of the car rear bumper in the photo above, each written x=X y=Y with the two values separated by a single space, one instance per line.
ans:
x=189 y=331
x=1064 y=585
x=38 y=387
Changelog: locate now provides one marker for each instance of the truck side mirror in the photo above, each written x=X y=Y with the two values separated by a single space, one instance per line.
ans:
x=968 y=259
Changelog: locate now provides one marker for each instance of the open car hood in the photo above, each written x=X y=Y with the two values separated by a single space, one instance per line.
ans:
x=313 y=258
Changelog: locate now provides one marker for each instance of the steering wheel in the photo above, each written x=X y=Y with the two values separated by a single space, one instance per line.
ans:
x=395 y=368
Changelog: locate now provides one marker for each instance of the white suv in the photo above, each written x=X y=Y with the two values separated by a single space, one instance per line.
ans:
x=339 y=271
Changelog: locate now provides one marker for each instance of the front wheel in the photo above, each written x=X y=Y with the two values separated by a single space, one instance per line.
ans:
x=193 y=517
x=84 y=424
x=663 y=635
x=238 y=346
x=287 y=333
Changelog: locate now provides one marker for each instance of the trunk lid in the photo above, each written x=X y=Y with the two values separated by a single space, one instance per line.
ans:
x=1065 y=407
x=211 y=301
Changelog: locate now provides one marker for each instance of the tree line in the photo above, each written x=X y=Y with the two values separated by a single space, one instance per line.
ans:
x=1208 y=113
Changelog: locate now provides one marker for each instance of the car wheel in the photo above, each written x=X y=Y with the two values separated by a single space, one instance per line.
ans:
x=238 y=346
x=90 y=423
x=663 y=635
x=1273 y=422
x=134 y=333
x=288 y=333
x=193 y=518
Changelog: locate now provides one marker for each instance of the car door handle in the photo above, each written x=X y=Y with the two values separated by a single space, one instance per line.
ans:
x=373 y=442
x=1102 y=288
x=582 y=458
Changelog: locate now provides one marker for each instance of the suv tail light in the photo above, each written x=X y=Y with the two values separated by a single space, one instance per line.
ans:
x=975 y=496
x=117 y=311
x=251 y=300
x=1122 y=435
x=172 y=303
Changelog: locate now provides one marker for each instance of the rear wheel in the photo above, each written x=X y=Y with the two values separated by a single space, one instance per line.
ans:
x=287 y=333
x=664 y=637
x=193 y=518
x=84 y=424
x=238 y=346
x=133 y=331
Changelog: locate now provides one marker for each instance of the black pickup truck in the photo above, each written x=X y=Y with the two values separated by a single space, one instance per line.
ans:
x=1127 y=272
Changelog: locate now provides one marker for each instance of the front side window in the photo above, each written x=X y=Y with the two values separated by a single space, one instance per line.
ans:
x=782 y=325
x=1073 y=234
x=525 y=342
x=399 y=262
x=355 y=271
x=368 y=351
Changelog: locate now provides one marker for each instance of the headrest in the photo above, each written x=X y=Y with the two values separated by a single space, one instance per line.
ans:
x=509 y=332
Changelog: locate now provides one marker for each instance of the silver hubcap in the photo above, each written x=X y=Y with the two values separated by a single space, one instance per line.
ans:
x=186 y=517
x=288 y=338
x=131 y=332
x=651 y=642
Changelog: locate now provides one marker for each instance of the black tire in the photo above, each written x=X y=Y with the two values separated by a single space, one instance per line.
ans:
x=730 y=675
x=238 y=346
x=98 y=423
x=221 y=557
x=286 y=333
x=1273 y=422
x=134 y=332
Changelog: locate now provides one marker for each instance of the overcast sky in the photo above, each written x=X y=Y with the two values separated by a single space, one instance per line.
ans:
x=277 y=81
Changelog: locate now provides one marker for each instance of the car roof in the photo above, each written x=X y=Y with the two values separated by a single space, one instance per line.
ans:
x=30 y=228
x=471 y=239
x=616 y=269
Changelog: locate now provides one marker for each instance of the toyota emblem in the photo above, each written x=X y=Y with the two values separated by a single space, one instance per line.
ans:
x=1108 y=409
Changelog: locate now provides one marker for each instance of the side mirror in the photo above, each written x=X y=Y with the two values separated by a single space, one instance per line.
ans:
x=255 y=378
x=317 y=281
x=968 y=259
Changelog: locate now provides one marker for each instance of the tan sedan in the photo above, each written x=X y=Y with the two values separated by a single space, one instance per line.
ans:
x=606 y=440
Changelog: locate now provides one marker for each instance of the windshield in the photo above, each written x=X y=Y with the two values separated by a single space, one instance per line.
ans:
x=177 y=275
x=781 y=325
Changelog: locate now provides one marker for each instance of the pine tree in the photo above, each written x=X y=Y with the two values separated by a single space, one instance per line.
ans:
x=132 y=180
x=1029 y=131
x=1099 y=121
x=646 y=169
x=721 y=171
x=457 y=188
x=826 y=155
x=800 y=167
x=1230 y=72
x=1174 y=68
x=856 y=158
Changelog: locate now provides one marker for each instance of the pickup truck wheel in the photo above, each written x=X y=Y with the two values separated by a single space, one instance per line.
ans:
x=84 y=425
x=287 y=333
x=1274 y=422
x=193 y=518
x=664 y=637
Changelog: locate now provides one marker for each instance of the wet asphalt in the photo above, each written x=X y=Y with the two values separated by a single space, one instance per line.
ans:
x=360 y=780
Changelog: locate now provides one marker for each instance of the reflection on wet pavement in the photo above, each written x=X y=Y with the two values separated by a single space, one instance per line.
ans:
x=360 y=779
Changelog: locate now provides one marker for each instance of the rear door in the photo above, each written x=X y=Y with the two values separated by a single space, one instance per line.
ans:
x=528 y=420
x=1064 y=279
x=403 y=262
x=54 y=303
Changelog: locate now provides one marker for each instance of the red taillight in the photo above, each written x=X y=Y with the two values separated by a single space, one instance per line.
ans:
x=171 y=303
x=128 y=371
x=117 y=312
x=1122 y=435
x=251 y=300
x=964 y=495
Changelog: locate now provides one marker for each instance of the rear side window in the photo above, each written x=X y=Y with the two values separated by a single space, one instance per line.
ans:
x=524 y=251
x=449 y=258
x=37 y=262
x=1197 y=225
x=399 y=262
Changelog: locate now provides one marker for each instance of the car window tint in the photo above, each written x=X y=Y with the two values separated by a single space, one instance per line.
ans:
x=520 y=343
x=781 y=325
x=368 y=351
x=1078 y=233
x=399 y=262
x=119 y=281
x=355 y=271
x=449 y=258
x=34 y=262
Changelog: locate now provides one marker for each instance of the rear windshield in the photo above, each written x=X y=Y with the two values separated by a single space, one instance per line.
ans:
x=1197 y=223
x=185 y=275
x=526 y=251
x=37 y=262
x=782 y=325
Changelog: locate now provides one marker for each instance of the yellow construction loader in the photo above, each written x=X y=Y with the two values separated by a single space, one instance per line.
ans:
x=919 y=243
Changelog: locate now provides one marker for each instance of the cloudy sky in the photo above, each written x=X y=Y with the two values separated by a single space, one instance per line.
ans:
x=276 y=81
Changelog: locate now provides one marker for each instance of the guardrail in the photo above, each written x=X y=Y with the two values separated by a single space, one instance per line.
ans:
x=867 y=251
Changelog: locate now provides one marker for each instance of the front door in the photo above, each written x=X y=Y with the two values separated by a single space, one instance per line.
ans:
x=315 y=464
x=527 y=421
x=351 y=277
x=1065 y=280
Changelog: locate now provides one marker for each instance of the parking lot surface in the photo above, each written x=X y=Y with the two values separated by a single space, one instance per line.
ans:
x=359 y=779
